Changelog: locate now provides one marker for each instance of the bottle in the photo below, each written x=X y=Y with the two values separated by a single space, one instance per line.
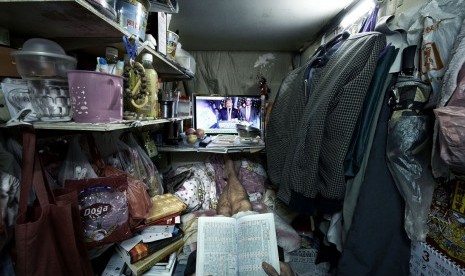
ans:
x=151 y=108
x=111 y=56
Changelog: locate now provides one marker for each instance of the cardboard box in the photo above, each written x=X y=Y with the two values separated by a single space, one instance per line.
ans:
x=157 y=26
x=161 y=34
x=7 y=68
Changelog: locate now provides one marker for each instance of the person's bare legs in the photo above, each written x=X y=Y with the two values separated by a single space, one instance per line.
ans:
x=234 y=198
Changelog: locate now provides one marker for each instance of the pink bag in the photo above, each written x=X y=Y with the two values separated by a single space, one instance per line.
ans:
x=451 y=120
x=452 y=136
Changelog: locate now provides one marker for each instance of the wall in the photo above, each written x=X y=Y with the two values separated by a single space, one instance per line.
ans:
x=235 y=72
x=387 y=7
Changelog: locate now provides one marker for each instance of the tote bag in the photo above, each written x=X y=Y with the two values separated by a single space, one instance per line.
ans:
x=48 y=234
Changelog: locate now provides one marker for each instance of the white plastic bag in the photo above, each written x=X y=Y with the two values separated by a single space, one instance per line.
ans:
x=435 y=31
x=76 y=164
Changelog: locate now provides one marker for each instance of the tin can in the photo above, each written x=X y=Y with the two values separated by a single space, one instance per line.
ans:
x=171 y=43
x=132 y=15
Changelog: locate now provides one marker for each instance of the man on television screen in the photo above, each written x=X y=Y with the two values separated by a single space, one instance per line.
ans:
x=248 y=112
x=228 y=112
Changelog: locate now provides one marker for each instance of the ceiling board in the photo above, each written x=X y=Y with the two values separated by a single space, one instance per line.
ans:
x=252 y=25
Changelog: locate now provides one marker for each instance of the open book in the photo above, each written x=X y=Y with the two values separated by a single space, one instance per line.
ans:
x=229 y=246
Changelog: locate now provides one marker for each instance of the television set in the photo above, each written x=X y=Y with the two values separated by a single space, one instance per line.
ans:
x=221 y=114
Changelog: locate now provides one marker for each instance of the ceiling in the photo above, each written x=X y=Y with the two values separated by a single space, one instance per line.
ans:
x=252 y=25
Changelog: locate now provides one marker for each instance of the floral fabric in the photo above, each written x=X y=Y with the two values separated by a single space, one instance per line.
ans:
x=199 y=191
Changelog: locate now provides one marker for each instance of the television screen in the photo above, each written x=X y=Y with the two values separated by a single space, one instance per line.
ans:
x=220 y=114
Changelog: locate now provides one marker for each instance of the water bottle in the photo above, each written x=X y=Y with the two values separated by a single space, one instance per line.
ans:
x=151 y=108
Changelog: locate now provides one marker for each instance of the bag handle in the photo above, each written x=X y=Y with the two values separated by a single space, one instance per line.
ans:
x=31 y=175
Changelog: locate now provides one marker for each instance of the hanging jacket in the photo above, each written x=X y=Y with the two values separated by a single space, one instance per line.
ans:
x=314 y=164
x=290 y=101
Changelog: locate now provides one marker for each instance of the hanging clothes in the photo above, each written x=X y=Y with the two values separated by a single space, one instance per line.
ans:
x=377 y=243
x=313 y=170
x=370 y=22
x=376 y=92
x=358 y=154
x=288 y=107
x=394 y=36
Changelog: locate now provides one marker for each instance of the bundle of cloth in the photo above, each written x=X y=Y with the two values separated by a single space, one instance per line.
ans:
x=231 y=186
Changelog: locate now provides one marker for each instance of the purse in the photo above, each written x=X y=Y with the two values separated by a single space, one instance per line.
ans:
x=48 y=234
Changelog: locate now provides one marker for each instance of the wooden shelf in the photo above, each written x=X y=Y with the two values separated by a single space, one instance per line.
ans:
x=74 y=24
x=57 y=19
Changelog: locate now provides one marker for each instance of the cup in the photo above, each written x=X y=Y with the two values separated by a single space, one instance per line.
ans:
x=167 y=110
x=171 y=43
x=95 y=97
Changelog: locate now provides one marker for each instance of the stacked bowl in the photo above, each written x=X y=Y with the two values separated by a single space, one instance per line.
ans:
x=44 y=64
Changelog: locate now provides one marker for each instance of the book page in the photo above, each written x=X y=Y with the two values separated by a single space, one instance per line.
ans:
x=216 y=246
x=256 y=244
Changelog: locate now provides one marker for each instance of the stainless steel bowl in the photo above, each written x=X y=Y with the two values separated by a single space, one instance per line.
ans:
x=247 y=131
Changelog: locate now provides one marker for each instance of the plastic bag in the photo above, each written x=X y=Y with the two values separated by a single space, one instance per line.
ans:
x=452 y=136
x=76 y=165
x=104 y=209
x=13 y=147
x=114 y=152
x=436 y=29
x=9 y=194
x=132 y=159
x=408 y=152
x=144 y=168
x=139 y=200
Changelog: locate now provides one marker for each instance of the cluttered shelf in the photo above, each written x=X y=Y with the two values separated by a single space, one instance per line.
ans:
x=217 y=144
x=125 y=124
x=81 y=26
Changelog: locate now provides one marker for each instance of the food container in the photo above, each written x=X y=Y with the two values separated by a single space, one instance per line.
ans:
x=42 y=58
x=185 y=60
x=132 y=15
x=95 y=97
x=50 y=99
x=171 y=43
x=106 y=7
x=167 y=109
